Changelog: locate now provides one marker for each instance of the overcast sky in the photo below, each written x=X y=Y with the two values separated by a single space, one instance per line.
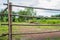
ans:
x=53 y=4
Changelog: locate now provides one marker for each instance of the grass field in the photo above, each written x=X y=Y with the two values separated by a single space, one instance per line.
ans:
x=23 y=29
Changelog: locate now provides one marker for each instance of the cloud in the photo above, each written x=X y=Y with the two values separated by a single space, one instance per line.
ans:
x=48 y=4
x=53 y=4
x=1 y=4
x=24 y=2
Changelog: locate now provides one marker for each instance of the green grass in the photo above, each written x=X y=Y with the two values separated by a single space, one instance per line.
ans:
x=3 y=29
x=47 y=21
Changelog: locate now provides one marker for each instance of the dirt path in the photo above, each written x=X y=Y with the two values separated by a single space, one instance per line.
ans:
x=42 y=36
x=31 y=30
x=38 y=36
x=45 y=35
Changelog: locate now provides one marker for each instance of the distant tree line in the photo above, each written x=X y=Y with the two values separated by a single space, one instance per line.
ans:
x=26 y=11
x=58 y=15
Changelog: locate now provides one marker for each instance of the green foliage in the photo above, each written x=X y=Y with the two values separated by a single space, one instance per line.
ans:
x=58 y=15
x=27 y=12
x=47 y=21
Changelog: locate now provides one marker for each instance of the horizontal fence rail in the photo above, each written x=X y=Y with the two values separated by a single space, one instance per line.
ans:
x=34 y=7
x=33 y=24
x=33 y=16
x=30 y=16
x=31 y=33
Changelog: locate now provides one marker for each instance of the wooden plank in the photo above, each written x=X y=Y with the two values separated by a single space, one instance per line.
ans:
x=34 y=7
x=31 y=16
x=34 y=16
x=32 y=33
x=32 y=24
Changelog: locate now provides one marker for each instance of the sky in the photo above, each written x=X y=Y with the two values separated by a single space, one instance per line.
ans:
x=51 y=4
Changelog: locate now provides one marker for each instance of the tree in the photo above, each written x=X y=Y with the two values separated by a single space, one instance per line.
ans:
x=14 y=17
x=4 y=18
x=30 y=11
x=58 y=15
x=27 y=12
x=0 y=16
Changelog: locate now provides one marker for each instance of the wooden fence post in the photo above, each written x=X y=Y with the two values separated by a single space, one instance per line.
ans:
x=10 y=21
